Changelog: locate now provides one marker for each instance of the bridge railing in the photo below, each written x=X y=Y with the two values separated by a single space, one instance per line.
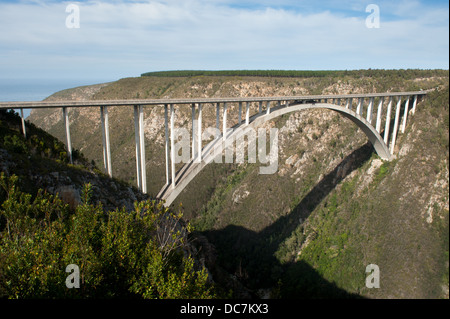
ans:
x=353 y=102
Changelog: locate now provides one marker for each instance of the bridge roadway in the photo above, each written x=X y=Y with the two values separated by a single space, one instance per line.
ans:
x=349 y=105
x=97 y=103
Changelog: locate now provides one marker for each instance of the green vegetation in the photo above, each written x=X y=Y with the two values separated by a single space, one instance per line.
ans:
x=38 y=142
x=208 y=216
x=39 y=153
x=119 y=254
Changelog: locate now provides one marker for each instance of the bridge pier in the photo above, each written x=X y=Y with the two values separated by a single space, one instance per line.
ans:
x=359 y=107
x=172 y=143
x=24 y=131
x=414 y=105
x=217 y=120
x=166 y=144
x=247 y=113
x=268 y=107
x=405 y=114
x=194 y=138
x=140 y=148
x=240 y=113
x=67 y=129
x=224 y=120
x=395 y=131
x=370 y=110
x=106 y=145
x=379 y=112
x=199 y=133
x=388 y=121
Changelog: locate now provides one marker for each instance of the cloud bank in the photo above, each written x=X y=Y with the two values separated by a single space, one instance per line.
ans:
x=126 y=38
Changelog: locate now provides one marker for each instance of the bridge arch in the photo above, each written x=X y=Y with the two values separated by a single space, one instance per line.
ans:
x=190 y=170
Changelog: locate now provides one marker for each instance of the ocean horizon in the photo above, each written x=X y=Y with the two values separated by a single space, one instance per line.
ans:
x=15 y=90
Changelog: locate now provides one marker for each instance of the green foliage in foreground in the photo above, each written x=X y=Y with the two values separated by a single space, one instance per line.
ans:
x=136 y=254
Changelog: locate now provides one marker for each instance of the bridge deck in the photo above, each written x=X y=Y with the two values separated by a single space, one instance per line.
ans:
x=97 y=103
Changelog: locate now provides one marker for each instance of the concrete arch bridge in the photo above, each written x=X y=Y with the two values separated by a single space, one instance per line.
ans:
x=372 y=113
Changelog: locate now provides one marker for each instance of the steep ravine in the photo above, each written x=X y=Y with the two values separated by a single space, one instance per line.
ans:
x=333 y=206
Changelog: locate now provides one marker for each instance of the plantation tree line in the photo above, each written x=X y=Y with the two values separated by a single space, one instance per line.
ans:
x=403 y=73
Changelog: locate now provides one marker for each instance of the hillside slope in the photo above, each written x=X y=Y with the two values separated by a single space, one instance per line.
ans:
x=55 y=215
x=332 y=208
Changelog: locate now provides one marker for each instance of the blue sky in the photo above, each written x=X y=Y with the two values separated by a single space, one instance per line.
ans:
x=120 y=38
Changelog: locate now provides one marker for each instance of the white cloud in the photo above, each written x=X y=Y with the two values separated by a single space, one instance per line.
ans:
x=128 y=38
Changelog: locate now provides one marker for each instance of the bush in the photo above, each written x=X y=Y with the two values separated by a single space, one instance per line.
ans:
x=119 y=254
x=15 y=144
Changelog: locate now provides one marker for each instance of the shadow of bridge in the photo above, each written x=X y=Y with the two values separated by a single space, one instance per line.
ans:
x=250 y=255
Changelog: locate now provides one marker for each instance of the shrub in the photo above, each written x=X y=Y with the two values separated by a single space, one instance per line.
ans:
x=119 y=254
x=15 y=144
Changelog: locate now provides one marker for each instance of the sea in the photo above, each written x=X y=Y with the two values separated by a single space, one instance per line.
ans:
x=13 y=90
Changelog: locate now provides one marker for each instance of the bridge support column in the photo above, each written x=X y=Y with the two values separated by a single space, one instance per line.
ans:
x=260 y=106
x=359 y=107
x=405 y=115
x=194 y=143
x=199 y=133
x=140 y=147
x=240 y=113
x=414 y=105
x=24 y=131
x=172 y=146
x=247 y=113
x=395 y=131
x=166 y=144
x=388 y=121
x=224 y=119
x=217 y=120
x=379 y=112
x=66 y=125
x=105 y=135
x=370 y=110
x=268 y=107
